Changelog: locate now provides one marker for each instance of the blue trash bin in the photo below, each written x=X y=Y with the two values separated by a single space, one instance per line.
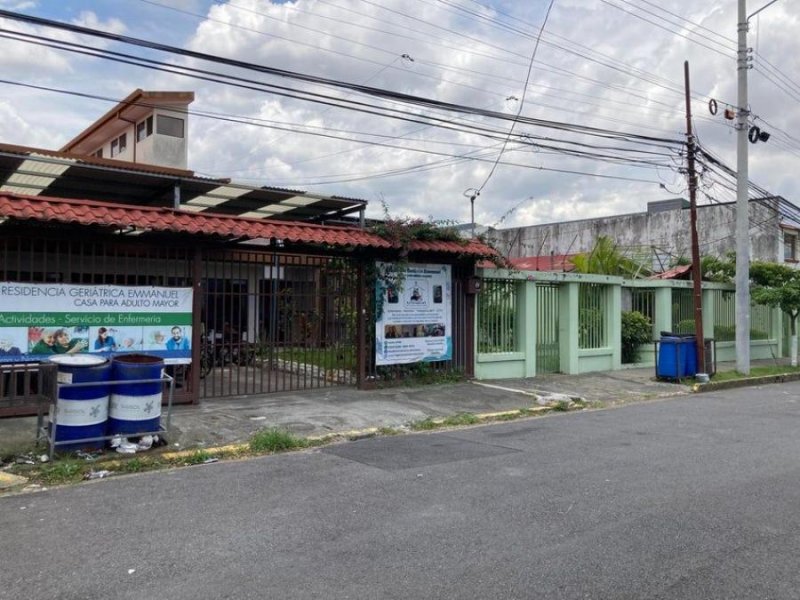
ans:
x=81 y=411
x=689 y=352
x=671 y=360
x=135 y=407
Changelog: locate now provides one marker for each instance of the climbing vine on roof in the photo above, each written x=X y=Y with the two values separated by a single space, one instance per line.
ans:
x=401 y=231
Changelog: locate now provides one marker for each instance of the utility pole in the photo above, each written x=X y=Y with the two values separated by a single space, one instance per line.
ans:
x=696 y=275
x=743 y=60
x=742 y=208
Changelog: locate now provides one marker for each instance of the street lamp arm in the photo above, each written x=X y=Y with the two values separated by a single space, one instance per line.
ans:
x=760 y=9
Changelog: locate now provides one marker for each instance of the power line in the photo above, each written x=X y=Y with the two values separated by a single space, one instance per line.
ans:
x=367 y=90
x=646 y=20
x=627 y=68
x=522 y=100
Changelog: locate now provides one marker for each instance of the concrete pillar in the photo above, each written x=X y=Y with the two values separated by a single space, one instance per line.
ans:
x=663 y=310
x=777 y=330
x=568 y=327
x=709 y=314
x=614 y=323
x=527 y=325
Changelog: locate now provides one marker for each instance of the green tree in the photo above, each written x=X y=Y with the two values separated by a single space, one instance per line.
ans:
x=606 y=259
x=778 y=285
x=719 y=269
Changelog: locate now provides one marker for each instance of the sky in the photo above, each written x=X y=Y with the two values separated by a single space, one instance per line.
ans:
x=598 y=86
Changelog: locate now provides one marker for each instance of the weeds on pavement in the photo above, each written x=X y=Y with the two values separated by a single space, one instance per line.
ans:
x=276 y=440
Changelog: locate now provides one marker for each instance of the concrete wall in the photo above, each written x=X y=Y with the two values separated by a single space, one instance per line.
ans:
x=169 y=151
x=666 y=232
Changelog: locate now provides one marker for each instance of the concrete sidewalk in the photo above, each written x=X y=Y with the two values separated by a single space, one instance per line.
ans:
x=217 y=422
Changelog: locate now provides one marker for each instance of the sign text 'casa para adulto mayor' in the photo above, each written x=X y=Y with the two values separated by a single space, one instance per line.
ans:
x=40 y=319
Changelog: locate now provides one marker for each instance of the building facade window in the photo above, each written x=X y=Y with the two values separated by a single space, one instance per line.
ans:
x=789 y=247
x=119 y=145
x=170 y=126
x=98 y=153
x=144 y=129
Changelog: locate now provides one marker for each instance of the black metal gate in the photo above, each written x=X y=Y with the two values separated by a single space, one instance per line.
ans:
x=275 y=322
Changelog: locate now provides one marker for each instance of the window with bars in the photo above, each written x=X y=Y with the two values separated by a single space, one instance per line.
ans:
x=789 y=247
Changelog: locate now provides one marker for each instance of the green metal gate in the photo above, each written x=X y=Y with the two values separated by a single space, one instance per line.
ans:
x=548 y=353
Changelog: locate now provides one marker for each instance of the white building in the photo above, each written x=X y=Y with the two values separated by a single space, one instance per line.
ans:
x=146 y=127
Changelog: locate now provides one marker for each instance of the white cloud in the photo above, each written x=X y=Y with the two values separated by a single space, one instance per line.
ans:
x=17 y=5
x=596 y=65
x=88 y=18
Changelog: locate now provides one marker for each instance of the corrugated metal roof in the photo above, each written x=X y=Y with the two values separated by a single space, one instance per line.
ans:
x=35 y=171
x=673 y=273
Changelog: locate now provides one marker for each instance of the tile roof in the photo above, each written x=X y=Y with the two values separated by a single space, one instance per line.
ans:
x=118 y=216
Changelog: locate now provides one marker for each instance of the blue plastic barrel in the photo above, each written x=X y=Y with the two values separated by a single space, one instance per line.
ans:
x=689 y=352
x=135 y=407
x=671 y=359
x=81 y=411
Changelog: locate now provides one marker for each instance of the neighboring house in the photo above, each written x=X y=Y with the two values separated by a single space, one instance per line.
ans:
x=662 y=233
x=146 y=127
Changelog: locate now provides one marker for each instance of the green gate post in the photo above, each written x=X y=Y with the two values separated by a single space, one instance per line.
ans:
x=527 y=326
x=568 y=326
x=709 y=316
x=614 y=320
x=663 y=316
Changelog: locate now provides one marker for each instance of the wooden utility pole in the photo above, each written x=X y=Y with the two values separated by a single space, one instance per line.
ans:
x=696 y=275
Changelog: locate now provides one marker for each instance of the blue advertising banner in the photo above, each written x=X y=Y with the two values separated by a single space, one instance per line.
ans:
x=39 y=320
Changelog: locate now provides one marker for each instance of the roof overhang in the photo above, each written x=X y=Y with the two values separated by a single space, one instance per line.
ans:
x=132 y=109
x=34 y=171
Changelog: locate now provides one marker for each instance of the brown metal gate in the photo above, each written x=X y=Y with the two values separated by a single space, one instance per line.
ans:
x=263 y=321
x=274 y=322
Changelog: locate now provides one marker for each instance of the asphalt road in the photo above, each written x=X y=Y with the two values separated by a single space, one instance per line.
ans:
x=688 y=498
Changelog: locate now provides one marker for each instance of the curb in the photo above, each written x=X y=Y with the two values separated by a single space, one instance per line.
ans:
x=746 y=382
